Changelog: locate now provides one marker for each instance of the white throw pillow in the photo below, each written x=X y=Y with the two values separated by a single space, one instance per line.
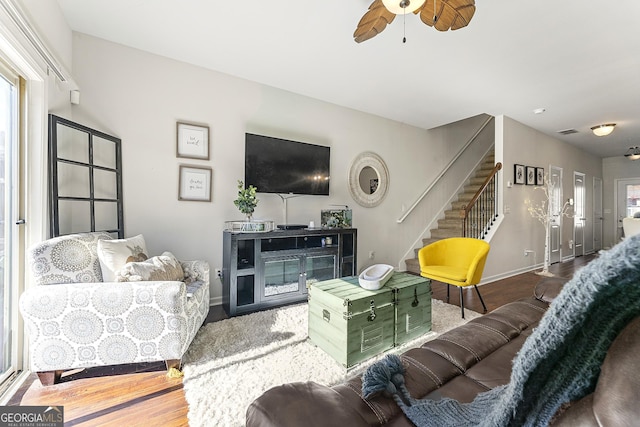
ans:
x=163 y=267
x=114 y=254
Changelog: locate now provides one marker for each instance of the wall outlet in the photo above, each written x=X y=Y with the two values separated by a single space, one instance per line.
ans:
x=218 y=273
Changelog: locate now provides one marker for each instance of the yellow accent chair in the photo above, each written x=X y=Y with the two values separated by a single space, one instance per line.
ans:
x=457 y=261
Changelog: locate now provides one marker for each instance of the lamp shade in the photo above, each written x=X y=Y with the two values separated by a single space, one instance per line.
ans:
x=400 y=7
x=633 y=153
x=603 y=130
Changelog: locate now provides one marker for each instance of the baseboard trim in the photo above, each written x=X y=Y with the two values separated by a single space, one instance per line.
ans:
x=506 y=275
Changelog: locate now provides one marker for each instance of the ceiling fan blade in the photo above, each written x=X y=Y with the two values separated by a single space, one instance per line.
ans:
x=451 y=14
x=373 y=22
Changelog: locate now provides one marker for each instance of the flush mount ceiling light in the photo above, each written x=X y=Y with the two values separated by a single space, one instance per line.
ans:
x=633 y=153
x=603 y=130
x=443 y=15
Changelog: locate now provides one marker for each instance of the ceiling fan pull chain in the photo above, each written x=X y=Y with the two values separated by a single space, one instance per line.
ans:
x=404 y=27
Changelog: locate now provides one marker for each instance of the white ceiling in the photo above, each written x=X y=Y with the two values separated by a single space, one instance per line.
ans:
x=578 y=59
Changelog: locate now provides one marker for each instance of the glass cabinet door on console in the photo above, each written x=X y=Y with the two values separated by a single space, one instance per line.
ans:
x=319 y=268
x=282 y=275
x=347 y=255
x=245 y=280
x=287 y=275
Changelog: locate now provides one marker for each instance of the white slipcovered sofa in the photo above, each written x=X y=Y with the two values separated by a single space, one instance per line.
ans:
x=75 y=320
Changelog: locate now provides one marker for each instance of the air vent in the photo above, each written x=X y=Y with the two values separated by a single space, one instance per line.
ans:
x=567 y=131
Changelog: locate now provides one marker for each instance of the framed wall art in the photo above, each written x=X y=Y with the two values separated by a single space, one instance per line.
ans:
x=539 y=176
x=194 y=183
x=192 y=141
x=531 y=175
x=518 y=174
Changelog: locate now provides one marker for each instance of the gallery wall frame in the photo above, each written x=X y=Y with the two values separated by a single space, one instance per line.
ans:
x=518 y=174
x=539 y=176
x=192 y=141
x=195 y=183
x=531 y=175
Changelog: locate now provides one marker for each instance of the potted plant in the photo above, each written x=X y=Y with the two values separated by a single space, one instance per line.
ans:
x=247 y=200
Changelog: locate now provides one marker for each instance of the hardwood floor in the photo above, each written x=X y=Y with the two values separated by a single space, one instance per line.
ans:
x=143 y=395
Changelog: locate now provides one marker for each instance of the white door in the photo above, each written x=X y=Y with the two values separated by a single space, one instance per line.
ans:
x=555 y=206
x=597 y=214
x=579 y=217
x=627 y=202
x=9 y=231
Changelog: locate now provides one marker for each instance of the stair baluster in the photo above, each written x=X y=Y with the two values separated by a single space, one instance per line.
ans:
x=476 y=219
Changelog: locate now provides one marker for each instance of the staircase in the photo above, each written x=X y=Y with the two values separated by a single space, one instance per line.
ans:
x=451 y=224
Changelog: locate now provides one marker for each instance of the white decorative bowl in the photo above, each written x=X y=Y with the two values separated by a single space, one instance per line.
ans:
x=374 y=277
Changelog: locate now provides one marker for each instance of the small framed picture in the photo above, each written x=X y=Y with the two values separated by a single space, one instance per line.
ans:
x=531 y=175
x=518 y=174
x=539 y=176
x=192 y=141
x=194 y=183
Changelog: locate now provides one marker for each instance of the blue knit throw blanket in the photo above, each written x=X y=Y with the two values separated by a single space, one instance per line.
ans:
x=558 y=363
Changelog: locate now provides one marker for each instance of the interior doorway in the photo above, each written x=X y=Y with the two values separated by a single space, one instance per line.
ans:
x=627 y=202
x=598 y=217
x=579 y=213
x=555 y=207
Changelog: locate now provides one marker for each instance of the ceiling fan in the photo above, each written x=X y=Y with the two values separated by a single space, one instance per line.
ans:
x=441 y=14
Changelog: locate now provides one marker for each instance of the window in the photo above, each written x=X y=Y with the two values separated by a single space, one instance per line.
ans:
x=9 y=232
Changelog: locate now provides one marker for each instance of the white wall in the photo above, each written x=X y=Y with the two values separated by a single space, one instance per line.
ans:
x=519 y=231
x=138 y=97
x=614 y=168
x=47 y=20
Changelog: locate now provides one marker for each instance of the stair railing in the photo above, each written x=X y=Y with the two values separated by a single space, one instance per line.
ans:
x=482 y=211
x=444 y=171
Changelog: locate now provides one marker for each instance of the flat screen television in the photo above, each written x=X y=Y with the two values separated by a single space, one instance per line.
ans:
x=275 y=165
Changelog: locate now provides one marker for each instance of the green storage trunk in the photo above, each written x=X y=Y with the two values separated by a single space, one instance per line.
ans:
x=412 y=299
x=350 y=323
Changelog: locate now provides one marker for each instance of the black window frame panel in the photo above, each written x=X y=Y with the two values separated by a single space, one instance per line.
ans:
x=54 y=161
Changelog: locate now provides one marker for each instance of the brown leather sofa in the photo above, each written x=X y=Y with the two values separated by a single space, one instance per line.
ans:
x=461 y=363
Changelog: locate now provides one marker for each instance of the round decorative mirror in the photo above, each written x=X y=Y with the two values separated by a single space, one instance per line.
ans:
x=368 y=179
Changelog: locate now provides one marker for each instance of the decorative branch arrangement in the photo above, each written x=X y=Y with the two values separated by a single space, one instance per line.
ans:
x=542 y=212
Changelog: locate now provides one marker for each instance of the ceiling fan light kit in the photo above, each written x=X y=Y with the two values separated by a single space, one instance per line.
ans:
x=633 y=153
x=443 y=15
x=400 y=7
x=603 y=130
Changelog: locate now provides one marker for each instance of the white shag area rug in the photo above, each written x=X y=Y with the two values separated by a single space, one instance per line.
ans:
x=232 y=362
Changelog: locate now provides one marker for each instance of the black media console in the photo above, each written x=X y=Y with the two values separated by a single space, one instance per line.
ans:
x=262 y=270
